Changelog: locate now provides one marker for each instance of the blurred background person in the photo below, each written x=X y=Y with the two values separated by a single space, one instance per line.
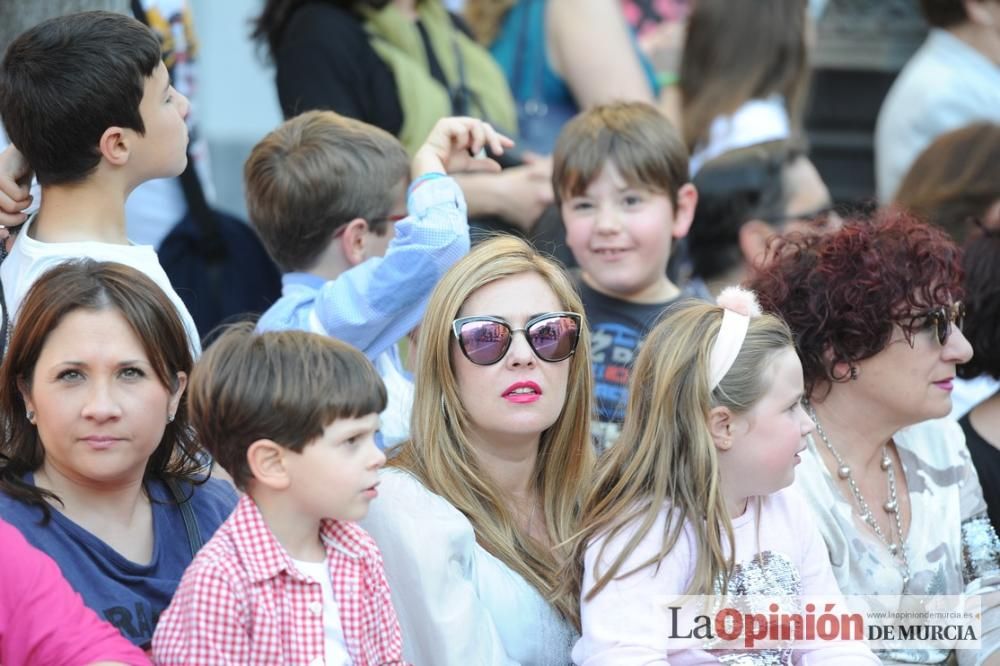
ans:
x=951 y=81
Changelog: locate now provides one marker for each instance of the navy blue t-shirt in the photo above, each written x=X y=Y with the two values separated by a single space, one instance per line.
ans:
x=617 y=329
x=128 y=595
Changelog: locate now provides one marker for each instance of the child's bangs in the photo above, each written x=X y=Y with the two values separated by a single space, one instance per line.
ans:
x=352 y=390
x=638 y=165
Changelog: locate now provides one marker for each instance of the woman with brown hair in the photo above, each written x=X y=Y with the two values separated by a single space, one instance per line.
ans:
x=744 y=75
x=99 y=467
x=476 y=508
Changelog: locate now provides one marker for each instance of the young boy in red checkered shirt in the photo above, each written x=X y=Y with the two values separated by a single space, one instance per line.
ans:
x=289 y=577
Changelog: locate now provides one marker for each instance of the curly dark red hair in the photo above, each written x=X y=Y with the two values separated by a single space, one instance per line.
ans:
x=841 y=293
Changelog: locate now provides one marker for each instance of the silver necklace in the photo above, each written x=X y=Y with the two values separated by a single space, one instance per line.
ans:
x=898 y=548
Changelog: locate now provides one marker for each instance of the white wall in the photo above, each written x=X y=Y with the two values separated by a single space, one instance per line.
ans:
x=237 y=101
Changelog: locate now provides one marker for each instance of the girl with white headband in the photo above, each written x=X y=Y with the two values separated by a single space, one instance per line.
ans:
x=694 y=497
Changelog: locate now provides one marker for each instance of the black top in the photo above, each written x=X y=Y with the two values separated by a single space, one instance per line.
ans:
x=986 y=459
x=324 y=61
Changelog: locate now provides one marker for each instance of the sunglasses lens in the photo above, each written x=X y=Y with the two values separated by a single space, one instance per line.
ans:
x=554 y=338
x=484 y=342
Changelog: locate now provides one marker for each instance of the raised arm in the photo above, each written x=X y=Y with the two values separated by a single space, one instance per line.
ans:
x=595 y=74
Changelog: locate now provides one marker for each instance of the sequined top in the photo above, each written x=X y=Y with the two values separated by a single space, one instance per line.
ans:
x=950 y=545
x=778 y=553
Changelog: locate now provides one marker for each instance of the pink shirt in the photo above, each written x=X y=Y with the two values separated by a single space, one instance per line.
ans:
x=243 y=601
x=42 y=620
x=627 y=623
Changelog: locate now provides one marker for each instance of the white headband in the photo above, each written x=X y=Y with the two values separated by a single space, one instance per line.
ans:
x=739 y=306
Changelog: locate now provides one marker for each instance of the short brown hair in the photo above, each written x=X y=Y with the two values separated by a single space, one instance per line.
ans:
x=955 y=181
x=286 y=386
x=634 y=136
x=314 y=173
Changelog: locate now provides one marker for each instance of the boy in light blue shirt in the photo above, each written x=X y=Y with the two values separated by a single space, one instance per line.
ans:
x=360 y=244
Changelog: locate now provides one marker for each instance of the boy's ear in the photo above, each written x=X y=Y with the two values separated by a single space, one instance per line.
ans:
x=753 y=237
x=720 y=425
x=266 y=459
x=687 y=201
x=114 y=146
x=353 y=239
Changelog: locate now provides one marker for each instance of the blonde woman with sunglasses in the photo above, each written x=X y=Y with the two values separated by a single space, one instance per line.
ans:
x=875 y=309
x=474 y=509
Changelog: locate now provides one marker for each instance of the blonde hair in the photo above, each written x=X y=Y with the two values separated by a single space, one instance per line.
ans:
x=441 y=456
x=666 y=454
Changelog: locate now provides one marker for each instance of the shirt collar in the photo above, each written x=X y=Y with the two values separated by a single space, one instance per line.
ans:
x=306 y=279
x=265 y=558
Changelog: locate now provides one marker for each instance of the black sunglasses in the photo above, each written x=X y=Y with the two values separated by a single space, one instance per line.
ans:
x=485 y=340
x=940 y=319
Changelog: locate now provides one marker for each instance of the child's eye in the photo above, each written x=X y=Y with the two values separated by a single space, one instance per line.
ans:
x=632 y=199
x=580 y=205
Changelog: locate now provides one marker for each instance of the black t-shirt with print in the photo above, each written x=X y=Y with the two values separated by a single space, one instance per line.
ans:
x=617 y=328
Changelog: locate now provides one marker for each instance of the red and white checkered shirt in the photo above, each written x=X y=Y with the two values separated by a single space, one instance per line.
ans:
x=242 y=601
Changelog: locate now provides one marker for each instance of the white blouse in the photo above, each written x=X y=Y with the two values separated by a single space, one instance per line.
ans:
x=457 y=604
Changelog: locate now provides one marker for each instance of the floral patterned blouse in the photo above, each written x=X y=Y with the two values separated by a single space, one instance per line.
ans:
x=951 y=547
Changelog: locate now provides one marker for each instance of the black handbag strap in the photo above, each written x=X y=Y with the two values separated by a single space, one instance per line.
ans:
x=187 y=513
x=5 y=326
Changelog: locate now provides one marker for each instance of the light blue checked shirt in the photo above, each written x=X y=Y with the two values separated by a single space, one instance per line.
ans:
x=374 y=304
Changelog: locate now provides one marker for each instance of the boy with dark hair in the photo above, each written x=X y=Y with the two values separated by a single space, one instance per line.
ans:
x=361 y=246
x=620 y=175
x=289 y=577
x=88 y=102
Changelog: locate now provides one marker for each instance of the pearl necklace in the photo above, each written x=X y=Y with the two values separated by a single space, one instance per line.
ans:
x=898 y=548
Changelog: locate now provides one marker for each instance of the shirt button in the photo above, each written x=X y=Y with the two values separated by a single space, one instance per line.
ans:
x=316 y=608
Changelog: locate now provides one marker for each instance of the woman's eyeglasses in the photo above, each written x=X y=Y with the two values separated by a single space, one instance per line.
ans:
x=940 y=319
x=484 y=340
